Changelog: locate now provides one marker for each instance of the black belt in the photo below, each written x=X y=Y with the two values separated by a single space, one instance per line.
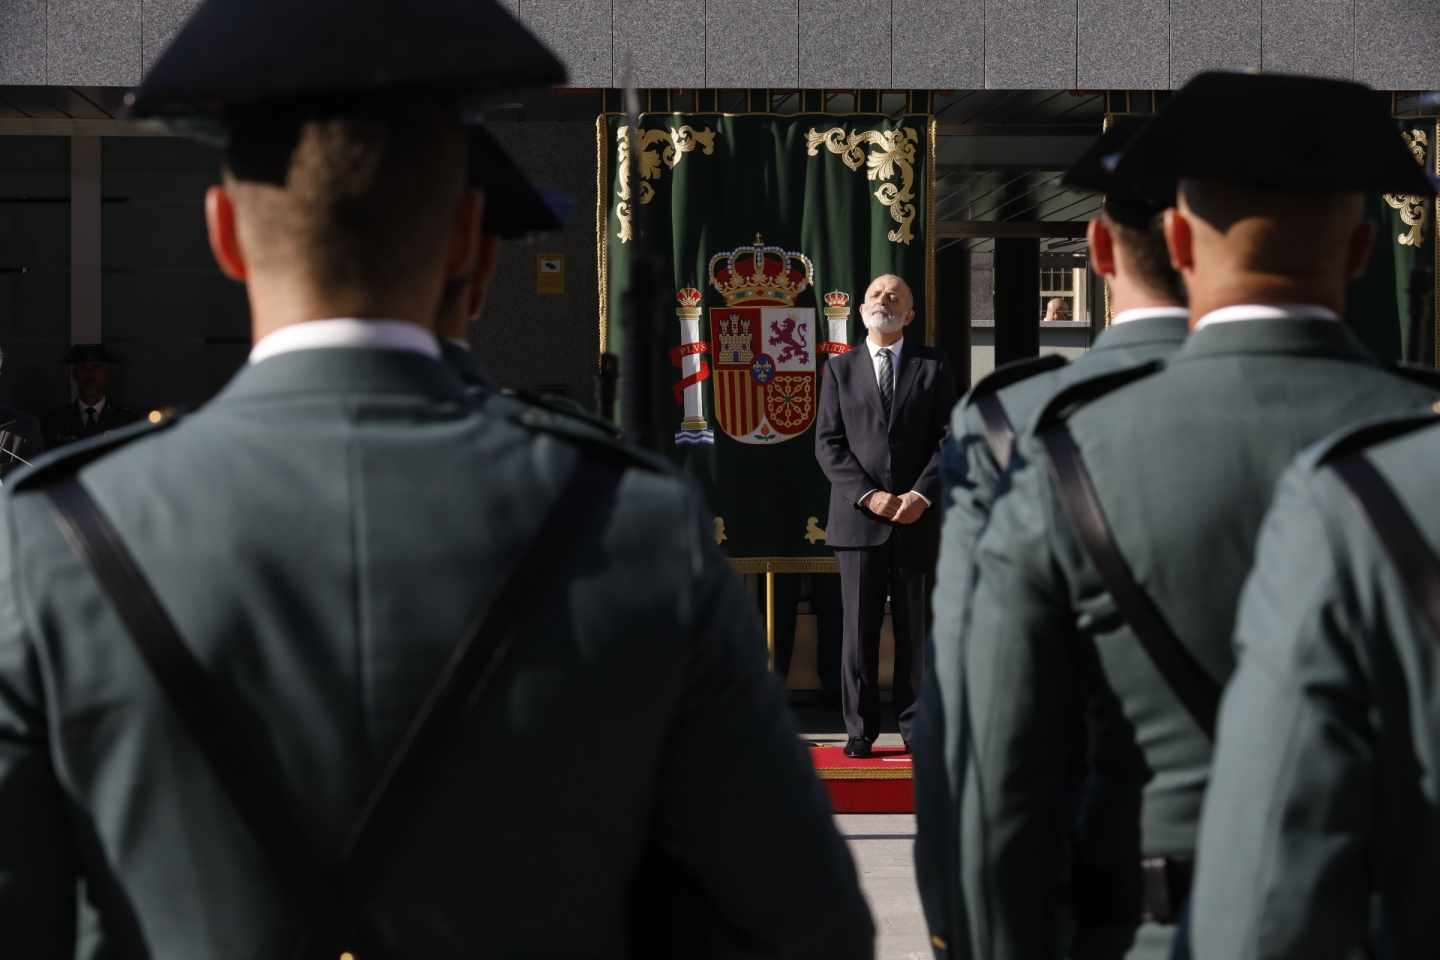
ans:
x=1165 y=886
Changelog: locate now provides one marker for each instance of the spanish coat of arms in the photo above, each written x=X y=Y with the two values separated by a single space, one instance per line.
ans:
x=764 y=347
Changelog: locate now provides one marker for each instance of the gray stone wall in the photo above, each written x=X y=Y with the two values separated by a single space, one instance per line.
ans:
x=900 y=44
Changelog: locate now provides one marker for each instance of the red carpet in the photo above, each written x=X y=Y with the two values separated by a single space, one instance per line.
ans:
x=880 y=783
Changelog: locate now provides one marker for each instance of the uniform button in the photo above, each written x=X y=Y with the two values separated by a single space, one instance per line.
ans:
x=347 y=955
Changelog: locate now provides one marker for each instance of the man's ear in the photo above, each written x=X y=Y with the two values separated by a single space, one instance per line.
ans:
x=486 y=262
x=1102 y=247
x=465 y=228
x=224 y=237
x=1362 y=245
x=1180 y=240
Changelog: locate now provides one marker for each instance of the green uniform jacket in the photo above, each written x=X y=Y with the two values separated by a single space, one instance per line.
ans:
x=971 y=479
x=1185 y=462
x=1327 y=775
x=322 y=533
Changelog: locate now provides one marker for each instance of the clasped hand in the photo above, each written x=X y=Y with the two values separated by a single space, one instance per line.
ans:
x=904 y=509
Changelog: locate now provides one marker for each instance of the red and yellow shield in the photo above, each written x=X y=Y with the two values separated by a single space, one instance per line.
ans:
x=765 y=372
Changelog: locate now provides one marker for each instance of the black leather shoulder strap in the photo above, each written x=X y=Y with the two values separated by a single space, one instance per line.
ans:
x=1196 y=690
x=596 y=441
x=984 y=396
x=72 y=457
x=1414 y=372
x=1015 y=371
x=1353 y=440
x=565 y=407
x=232 y=737
x=999 y=431
x=1088 y=389
x=1410 y=554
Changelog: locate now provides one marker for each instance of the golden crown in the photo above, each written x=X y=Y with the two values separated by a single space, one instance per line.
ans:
x=761 y=274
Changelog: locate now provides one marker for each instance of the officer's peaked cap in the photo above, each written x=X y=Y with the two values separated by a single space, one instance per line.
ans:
x=513 y=206
x=1276 y=132
x=1132 y=199
x=239 y=53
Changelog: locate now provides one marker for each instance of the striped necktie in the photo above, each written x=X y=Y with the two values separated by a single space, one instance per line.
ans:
x=887 y=382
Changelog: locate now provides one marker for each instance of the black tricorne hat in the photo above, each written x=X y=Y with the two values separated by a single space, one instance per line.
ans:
x=1276 y=132
x=513 y=206
x=1133 y=200
x=237 y=53
x=89 y=353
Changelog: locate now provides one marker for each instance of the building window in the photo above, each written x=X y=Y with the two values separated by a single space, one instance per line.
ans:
x=1064 y=290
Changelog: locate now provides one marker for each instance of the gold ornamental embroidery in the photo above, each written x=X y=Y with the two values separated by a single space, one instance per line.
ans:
x=678 y=142
x=1414 y=210
x=896 y=154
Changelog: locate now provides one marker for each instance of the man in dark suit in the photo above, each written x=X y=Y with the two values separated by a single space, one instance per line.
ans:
x=92 y=411
x=883 y=413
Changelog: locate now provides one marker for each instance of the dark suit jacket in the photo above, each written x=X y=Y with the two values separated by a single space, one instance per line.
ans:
x=64 y=425
x=860 y=452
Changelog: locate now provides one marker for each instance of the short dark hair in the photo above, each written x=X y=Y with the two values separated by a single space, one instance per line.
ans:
x=357 y=198
x=1149 y=257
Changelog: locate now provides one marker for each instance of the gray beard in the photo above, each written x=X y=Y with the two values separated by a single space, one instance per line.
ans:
x=882 y=322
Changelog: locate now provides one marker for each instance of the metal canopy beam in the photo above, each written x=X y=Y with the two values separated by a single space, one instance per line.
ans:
x=1007 y=229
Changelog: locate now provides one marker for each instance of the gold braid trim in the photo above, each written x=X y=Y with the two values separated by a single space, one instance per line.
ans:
x=864 y=773
x=896 y=156
x=602 y=203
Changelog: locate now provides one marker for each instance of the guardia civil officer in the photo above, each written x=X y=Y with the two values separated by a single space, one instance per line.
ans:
x=514 y=208
x=1127 y=248
x=1107 y=578
x=1325 y=781
x=318 y=669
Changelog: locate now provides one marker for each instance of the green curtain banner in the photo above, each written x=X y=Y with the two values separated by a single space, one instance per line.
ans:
x=769 y=228
x=1379 y=307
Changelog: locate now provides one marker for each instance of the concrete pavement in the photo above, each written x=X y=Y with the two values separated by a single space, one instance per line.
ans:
x=882 y=845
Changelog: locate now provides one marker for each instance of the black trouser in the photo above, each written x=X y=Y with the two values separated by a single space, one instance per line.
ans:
x=866 y=577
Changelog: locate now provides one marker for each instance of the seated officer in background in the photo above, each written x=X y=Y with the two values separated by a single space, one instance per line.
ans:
x=1127 y=248
x=1326 y=771
x=317 y=669
x=93 y=410
x=513 y=209
x=1108 y=576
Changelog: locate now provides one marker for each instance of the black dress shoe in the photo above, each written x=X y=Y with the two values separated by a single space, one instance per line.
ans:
x=857 y=747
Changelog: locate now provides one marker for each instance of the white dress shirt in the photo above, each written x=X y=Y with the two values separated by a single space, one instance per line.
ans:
x=347 y=332
x=1267 y=311
x=894 y=349
x=98 y=407
x=1146 y=313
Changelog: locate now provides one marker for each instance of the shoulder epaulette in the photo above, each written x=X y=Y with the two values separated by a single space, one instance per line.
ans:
x=564 y=407
x=1360 y=436
x=1013 y=372
x=1425 y=376
x=1088 y=389
x=69 y=459
x=602 y=443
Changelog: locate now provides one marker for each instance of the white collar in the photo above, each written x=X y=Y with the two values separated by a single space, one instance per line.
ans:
x=460 y=342
x=1147 y=313
x=894 y=348
x=99 y=408
x=347 y=332
x=1267 y=311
